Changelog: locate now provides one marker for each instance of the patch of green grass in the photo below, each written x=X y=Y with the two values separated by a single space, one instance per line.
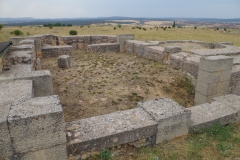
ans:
x=218 y=142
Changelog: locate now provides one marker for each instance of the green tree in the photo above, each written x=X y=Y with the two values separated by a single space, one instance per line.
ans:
x=174 y=25
x=1 y=26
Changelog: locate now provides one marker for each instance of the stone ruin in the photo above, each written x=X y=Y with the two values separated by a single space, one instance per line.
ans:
x=32 y=125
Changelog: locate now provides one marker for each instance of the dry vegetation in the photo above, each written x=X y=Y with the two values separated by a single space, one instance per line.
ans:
x=208 y=35
x=103 y=83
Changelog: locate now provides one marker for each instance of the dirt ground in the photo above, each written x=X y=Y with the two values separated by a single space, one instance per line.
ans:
x=103 y=83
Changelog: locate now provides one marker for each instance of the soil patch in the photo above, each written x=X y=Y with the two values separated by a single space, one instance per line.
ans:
x=103 y=83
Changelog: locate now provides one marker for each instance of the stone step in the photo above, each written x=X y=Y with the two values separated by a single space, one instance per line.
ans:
x=106 y=131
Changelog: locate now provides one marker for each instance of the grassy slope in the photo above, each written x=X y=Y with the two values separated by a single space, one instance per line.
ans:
x=209 y=35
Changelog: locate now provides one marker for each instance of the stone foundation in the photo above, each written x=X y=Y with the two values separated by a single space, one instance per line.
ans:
x=104 y=48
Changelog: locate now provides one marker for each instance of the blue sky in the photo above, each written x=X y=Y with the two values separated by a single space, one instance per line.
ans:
x=128 y=8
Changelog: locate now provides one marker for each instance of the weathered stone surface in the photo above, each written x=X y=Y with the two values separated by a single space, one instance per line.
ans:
x=11 y=93
x=42 y=81
x=26 y=41
x=38 y=64
x=36 y=124
x=172 y=49
x=15 y=92
x=5 y=141
x=177 y=59
x=227 y=50
x=226 y=43
x=97 y=133
x=154 y=53
x=173 y=120
x=53 y=153
x=18 y=57
x=121 y=38
x=55 y=51
x=216 y=63
x=206 y=115
x=232 y=101
x=64 y=61
x=104 y=48
x=137 y=47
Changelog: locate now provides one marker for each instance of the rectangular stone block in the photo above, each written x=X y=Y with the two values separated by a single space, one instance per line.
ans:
x=232 y=101
x=53 y=153
x=11 y=93
x=172 y=49
x=209 y=78
x=64 y=61
x=216 y=63
x=106 y=131
x=206 y=115
x=104 y=48
x=121 y=38
x=42 y=81
x=173 y=120
x=36 y=124
x=222 y=87
x=154 y=53
x=225 y=75
x=5 y=141
x=206 y=89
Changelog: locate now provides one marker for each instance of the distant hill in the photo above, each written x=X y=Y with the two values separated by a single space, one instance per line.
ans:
x=87 y=21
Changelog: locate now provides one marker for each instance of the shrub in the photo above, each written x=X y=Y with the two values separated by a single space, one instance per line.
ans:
x=1 y=26
x=115 y=28
x=69 y=25
x=195 y=27
x=133 y=27
x=17 y=32
x=50 y=27
x=73 y=32
x=144 y=29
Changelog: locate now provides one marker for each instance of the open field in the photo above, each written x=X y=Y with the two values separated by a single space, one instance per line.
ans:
x=103 y=83
x=208 y=35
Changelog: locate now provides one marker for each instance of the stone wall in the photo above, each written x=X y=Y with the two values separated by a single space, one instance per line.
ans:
x=104 y=48
x=55 y=51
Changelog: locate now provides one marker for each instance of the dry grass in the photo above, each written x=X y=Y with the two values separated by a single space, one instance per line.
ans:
x=103 y=83
x=208 y=35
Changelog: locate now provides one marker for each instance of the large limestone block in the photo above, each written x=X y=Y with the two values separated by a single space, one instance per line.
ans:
x=5 y=141
x=106 y=131
x=208 y=114
x=173 y=120
x=121 y=38
x=53 y=153
x=64 y=61
x=37 y=124
x=42 y=81
x=11 y=93
x=172 y=49
x=216 y=63
x=232 y=101
x=27 y=41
